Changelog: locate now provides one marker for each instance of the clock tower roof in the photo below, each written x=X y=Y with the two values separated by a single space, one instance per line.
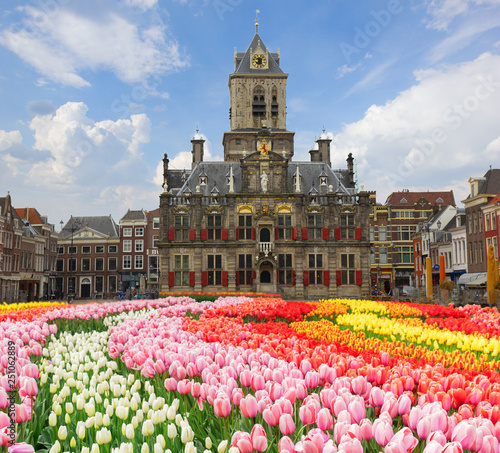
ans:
x=243 y=60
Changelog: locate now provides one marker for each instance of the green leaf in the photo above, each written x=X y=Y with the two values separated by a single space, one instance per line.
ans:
x=46 y=437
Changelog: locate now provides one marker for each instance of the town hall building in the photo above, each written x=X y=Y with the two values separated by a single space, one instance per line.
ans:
x=260 y=221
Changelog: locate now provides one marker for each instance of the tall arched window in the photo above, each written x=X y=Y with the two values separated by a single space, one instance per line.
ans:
x=274 y=103
x=259 y=102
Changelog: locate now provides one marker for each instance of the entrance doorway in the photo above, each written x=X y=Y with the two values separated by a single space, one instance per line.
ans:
x=265 y=277
x=85 y=288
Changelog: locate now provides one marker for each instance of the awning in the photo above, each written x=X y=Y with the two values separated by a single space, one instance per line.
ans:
x=473 y=279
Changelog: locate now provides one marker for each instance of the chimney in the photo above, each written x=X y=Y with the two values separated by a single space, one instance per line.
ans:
x=198 y=144
x=350 y=169
x=324 y=148
x=315 y=156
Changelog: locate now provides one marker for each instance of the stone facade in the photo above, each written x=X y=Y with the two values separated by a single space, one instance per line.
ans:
x=259 y=221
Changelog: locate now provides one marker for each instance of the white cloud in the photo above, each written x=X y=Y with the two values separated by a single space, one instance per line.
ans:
x=142 y=4
x=67 y=43
x=7 y=139
x=439 y=129
x=442 y=12
x=346 y=69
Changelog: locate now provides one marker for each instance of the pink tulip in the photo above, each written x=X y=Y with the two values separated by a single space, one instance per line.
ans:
x=339 y=430
x=285 y=405
x=424 y=427
x=4 y=420
x=311 y=379
x=344 y=417
x=395 y=447
x=467 y=435
x=7 y=436
x=248 y=406
x=490 y=445
x=242 y=440
x=287 y=426
x=257 y=382
x=259 y=438
x=338 y=405
x=184 y=386
x=291 y=395
x=31 y=370
x=357 y=409
x=23 y=413
x=272 y=414
x=170 y=384
x=21 y=447
x=352 y=445
x=359 y=385
x=325 y=419
x=301 y=390
x=237 y=396
x=404 y=404
x=159 y=367
x=222 y=407
x=4 y=398
x=365 y=429
x=195 y=389
x=437 y=436
x=286 y=444
x=275 y=391
x=452 y=447
x=433 y=447
x=415 y=416
x=390 y=405
x=376 y=397
x=405 y=437
x=308 y=414
x=382 y=432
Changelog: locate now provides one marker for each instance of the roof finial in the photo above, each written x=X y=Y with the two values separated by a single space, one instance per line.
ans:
x=257 y=21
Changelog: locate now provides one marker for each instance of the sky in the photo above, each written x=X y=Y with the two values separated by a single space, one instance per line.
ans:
x=94 y=92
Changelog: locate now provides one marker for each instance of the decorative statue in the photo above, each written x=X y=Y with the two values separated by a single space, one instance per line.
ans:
x=263 y=181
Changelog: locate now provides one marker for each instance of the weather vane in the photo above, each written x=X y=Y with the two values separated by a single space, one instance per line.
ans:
x=257 y=21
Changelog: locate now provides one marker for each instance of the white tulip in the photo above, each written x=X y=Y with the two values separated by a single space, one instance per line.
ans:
x=134 y=404
x=80 y=431
x=106 y=420
x=129 y=431
x=172 y=431
x=62 y=432
x=69 y=408
x=135 y=421
x=98 y=398
x=222 y=446
x=145 y=407
x=52 y=419
x=160 y=439
x=98 y=419
x=80 y=402
x=171 y=412
x=178 y=419
x=140 y=415
x=89 y=423
x=122 y=412
x=67 y=419
x=145 y=448
x=190 y=448
x=157 y=448
x=208 y=443
x=147 y=428
x=176 y=403
x=95 y=448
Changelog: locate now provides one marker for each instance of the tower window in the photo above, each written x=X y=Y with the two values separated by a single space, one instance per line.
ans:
x=259 y=102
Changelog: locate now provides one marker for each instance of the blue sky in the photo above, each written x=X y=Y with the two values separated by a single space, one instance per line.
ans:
x=93 y=93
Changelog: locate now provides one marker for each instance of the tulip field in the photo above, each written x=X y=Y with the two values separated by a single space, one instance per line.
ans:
x=244 y=374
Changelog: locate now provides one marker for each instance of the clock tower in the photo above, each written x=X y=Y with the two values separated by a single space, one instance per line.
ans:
x=257 y=89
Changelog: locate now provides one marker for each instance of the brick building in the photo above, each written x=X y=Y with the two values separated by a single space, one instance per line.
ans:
x=482 y=191
x=392 y=226
x=87 y=258
x=259 y=221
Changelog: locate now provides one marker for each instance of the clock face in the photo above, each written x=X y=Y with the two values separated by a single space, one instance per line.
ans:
x=259 y=60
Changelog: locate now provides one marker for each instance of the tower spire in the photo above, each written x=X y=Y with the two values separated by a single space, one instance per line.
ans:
x=257 y=21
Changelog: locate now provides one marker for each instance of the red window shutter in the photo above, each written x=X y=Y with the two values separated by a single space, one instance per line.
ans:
x=171 y=234
x=192 y=234
x=338 y=277
x=237 y=277
x=204 y=278
x=224 y=234
x=294 y=234
x=237 y=234
x=337 y=234
x=224 y=278
x=325 y=234
x=191 y=278
x=277 y=276
x=357 y=234
x=359 y=279
x=276 y=233
x=293 y=277
x=253 y=234
x=171 y=279
x=305 y=234
x=326 y=278
x=306 y=278
x=204 y=234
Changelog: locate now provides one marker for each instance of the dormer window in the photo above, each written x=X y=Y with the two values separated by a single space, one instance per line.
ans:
x=404 y=200
x=203 y=180
x=323 y=180
x=439 y=200
x=228 y=180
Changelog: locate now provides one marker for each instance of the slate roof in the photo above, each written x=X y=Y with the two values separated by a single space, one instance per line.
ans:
x=134 y=215
x=243 y=64
x=491 y=183
x=175 y=178
x=2 y=205
x=102 y=224
x=217 y=173
x=396 y=198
